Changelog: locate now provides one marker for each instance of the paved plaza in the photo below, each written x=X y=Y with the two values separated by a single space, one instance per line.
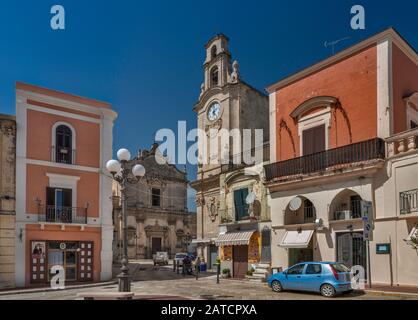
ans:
x=162 y=283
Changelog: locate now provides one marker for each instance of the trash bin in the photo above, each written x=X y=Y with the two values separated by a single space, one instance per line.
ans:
x=203 y=267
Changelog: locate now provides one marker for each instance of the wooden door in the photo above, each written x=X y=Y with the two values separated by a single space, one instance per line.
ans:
x=156 y=245
x=313 y=144
x=240 y=258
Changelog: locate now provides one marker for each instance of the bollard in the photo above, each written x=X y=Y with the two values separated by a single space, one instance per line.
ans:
x=174 y=265
x=178 y=266
x=197 y=272
x=184 y=269
x=218 y=272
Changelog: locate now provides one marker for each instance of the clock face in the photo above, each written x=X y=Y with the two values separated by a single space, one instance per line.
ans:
x=214 y=111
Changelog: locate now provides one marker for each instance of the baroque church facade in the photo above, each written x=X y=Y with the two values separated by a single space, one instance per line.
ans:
x=158 y=217
x=231 y=200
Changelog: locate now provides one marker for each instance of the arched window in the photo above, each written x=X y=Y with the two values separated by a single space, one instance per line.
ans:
x=213 y=52
x=64 y=152
x=214 y=76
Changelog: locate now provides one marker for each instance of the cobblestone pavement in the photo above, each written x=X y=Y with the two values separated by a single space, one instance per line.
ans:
x=162 y=282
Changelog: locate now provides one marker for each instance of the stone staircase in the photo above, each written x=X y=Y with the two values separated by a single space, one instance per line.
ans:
x=262 y=271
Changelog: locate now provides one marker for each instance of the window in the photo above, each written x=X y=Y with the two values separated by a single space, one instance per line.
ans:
x=313 y=269
x=296 y=269
x=59 y=205
x=156 y=197
x=214 y=76
x=63 y=144
x=213 y=52
x=355 y=207
x=313 y=140
x=241 y=207
x=308 y=211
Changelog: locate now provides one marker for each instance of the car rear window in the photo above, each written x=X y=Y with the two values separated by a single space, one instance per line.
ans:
x=340 y=267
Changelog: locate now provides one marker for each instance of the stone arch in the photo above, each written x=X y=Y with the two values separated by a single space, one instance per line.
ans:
x=305 y=214
x=346 y=205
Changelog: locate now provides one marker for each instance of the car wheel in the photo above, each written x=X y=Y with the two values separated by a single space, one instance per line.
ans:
x=276 y=286
x=328 y=290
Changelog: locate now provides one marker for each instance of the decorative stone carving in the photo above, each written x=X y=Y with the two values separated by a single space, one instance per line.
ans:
x=401 y=147
x=411 y=143
x=213 y=207
x=202 y=90
x=214 y=127
x=235 y=72
x=200 y=201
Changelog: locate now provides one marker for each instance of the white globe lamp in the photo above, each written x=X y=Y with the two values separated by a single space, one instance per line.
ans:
x=124 y=155
x=138 y=171
x=113 y=166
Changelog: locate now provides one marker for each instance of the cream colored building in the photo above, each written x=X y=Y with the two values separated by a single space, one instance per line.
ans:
x=158 y=217
x=344 y=137
x=7 y=199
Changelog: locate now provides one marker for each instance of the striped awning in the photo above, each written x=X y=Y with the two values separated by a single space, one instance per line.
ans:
x=240 y=238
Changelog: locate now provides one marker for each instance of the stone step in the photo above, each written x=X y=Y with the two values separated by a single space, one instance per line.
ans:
x=263 y=265
x=256 y=279
x=258 y=270
x=259 y=275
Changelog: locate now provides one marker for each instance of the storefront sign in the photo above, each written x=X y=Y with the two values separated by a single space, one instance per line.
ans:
x=383 y=248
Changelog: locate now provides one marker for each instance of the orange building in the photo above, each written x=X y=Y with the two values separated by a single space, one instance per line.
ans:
x=343 y=138
x=63 y=201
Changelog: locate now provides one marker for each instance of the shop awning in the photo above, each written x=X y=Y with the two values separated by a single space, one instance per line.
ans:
x=297 y=239
x=239 y=238
x=198 y=241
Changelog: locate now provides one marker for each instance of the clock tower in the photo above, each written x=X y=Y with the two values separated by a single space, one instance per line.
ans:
x=226 y=104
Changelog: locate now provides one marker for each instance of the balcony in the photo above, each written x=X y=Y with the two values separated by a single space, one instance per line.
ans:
x=55 y=214
x=237 y=215
x=409 y=202
x=63 y=155
x=353 y=155
x=402 y=143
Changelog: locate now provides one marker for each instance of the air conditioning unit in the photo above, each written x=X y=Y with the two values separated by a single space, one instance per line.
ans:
x=343 y=215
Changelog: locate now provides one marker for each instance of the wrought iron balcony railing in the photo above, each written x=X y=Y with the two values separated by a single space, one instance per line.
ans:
x=330 y=159
x=63 y=155
x=409 y=201
x=56 y=214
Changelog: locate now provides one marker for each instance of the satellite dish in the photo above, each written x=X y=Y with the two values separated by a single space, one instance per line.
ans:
x=250 y=198
x=295 y=204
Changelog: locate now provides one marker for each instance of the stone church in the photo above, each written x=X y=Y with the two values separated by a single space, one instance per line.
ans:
x=158 y=217
x=233 y=217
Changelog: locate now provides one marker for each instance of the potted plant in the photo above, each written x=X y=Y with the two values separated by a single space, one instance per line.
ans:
x=226 y=273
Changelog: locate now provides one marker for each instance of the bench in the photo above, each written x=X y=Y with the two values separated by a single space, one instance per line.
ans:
x=106 y=295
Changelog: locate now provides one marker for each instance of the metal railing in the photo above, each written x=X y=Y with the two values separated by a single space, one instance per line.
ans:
x=409 y=201
x=56 y=214
x=309 y=214
x=347 y=212
x=63 y=155
x=333 y=158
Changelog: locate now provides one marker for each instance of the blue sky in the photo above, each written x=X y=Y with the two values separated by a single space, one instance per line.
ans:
x=146 y=57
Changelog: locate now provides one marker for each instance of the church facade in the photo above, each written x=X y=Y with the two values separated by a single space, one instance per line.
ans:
x=231 y=200
x=158 y=217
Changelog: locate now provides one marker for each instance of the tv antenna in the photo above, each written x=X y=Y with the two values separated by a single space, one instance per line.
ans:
x=332 y=44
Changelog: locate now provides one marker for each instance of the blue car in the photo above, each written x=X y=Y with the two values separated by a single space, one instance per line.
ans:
x=327 y=278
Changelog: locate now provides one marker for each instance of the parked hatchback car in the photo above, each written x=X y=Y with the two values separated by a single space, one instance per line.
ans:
x=327 y=278
x=160 y=258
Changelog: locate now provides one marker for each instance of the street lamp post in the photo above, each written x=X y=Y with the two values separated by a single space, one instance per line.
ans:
x=123 y=175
